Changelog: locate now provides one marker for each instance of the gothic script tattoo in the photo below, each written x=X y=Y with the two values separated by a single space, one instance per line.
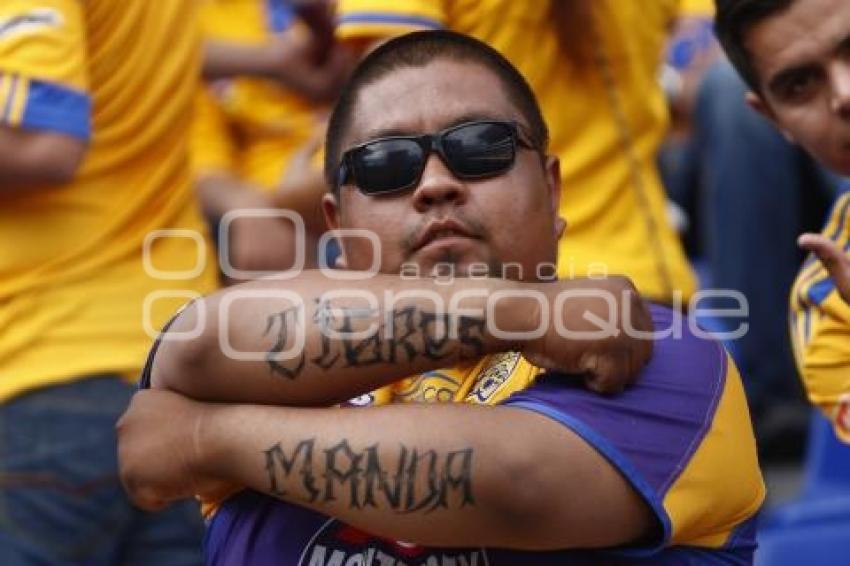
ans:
x=414 y=481
x=403 y=335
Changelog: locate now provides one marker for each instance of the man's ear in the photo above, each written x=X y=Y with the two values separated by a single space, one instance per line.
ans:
x=758 y=104
x=552 y=170
x=332 y=214
x=330 y=211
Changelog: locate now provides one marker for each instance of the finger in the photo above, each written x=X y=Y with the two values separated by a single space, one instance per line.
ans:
x=610 y=375
x=833 y=259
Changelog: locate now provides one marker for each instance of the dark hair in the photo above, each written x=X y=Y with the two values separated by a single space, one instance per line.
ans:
x=734 y=19
x=418 y=49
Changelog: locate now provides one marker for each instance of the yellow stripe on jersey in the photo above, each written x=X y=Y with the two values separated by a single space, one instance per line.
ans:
x=6 y=91
x=705 y=519
x=18 y=102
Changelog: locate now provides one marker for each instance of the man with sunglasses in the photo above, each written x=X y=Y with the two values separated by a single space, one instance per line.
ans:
x=438 y=150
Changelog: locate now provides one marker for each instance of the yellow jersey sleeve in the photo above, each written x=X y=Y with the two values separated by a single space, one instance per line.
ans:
x=697 y=8
x=212 y=148
x=375 y=19
x=820 y=329
x=43 y=78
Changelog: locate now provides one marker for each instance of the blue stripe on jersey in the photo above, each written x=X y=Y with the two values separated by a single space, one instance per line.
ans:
x=385 y=18
x=840 y=228
x=820 y=290
x=279 y=14
x=58 y=108
x=7 y=110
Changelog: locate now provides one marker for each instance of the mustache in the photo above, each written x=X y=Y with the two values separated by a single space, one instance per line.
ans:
x=411 y=235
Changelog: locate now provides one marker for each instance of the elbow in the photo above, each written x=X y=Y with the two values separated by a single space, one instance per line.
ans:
x=519 y=499
x=179 y=362
x=54 y=158
x=43 y=159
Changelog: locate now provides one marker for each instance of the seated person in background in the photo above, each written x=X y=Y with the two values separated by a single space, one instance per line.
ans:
x=795 y=60
x=438 y=149
x=258 y=125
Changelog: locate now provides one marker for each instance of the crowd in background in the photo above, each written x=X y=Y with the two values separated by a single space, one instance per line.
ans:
x=127 y=165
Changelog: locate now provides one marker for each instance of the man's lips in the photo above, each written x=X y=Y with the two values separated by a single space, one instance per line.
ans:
x=439 y=230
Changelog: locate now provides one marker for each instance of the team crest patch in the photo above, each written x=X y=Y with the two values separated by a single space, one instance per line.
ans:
x=429 y=387
x=494 y=377
x=30 y=21
x=340 y=545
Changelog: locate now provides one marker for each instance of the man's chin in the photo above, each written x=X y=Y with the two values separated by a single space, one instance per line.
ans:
x=451 y=267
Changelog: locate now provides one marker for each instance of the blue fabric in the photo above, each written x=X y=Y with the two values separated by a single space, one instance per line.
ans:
x=384 y=18
x=619 y=461
x=814 y=528
x=650 y=431
x=61 y=502
x=57 y=108
x=280 y=15
x=821 y=290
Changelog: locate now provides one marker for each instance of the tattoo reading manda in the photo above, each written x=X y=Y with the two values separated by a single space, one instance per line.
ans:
x=414 y=481
x=405 y=334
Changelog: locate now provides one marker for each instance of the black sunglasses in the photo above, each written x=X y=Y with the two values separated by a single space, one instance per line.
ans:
x=472 y=150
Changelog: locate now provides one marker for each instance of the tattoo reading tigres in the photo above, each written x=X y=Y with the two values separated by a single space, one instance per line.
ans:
x=403 y=335
x=413 y=481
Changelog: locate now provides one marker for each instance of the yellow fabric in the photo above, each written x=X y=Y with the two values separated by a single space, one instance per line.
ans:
x=488 y=381
x=706 y=519
x=703 y=8
x=247 y=127
x=820 y=330
x=610 y=219
x=72 y=278
x=54 y=52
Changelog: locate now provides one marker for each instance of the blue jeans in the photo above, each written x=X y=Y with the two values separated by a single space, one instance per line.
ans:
x=760 y=193
x=61 y=501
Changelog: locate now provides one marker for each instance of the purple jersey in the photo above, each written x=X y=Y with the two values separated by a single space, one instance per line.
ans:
x=680 y=436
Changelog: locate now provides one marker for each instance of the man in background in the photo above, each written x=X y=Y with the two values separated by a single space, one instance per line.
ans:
x=793 y=54
x=100 y=240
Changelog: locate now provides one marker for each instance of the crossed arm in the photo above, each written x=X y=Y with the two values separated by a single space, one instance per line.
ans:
x=454 y=475
x=447 y=475
x=304 y=342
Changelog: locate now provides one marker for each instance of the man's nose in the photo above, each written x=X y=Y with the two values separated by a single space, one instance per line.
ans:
x=438 y=186
x=840 y=79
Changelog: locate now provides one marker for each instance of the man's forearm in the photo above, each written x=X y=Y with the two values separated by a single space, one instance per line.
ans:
x=442 y=475
x=311 y=341
x=282 y=59
x=224 y=60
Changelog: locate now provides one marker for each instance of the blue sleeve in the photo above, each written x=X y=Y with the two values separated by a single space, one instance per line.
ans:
x=59 y=109
x=650 y=432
